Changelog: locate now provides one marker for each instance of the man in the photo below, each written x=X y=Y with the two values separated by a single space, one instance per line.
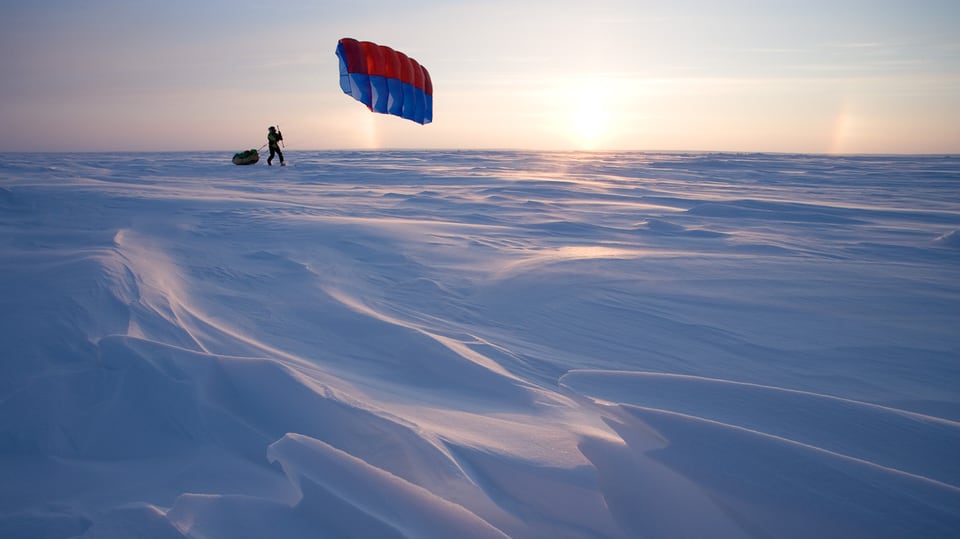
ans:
x=273 y=140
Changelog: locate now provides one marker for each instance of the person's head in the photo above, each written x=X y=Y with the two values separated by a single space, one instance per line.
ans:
x=272 y=129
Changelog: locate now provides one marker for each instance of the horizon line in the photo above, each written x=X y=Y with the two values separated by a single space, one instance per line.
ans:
x=514 y=150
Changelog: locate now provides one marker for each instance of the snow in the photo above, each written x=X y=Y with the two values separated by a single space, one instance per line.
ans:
x=479 y=344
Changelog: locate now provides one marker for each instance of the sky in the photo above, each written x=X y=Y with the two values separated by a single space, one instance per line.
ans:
x=810 y=76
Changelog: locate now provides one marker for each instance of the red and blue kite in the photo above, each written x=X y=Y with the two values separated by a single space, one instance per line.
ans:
x=385 y=80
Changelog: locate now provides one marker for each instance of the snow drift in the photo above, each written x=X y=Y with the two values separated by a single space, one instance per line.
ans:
x=479 y=344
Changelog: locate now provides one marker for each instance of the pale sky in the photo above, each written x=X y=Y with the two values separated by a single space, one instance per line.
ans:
x=817 y=76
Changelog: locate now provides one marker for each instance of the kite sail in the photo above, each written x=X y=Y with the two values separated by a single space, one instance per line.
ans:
x=385 y=80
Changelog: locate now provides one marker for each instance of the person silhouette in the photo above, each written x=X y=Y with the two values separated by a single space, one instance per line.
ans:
x=274 y=136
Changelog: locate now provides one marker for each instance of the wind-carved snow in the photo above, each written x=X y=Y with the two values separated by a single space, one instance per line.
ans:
x=479 y=344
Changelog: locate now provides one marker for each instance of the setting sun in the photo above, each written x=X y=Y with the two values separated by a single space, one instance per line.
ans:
x=589 y=118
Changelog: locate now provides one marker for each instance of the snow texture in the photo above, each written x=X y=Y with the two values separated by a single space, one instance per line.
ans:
x=479 y=344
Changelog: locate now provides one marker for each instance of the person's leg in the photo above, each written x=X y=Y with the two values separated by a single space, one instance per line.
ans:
x=270 y=159
x=280 y=155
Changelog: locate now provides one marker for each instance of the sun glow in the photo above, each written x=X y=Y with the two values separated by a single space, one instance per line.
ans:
x=590 y=122
x=589 y=116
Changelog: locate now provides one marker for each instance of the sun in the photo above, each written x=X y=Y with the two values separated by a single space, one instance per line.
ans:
x=590 y=117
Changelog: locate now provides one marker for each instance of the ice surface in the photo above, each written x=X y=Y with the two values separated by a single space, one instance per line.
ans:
x=479 y=344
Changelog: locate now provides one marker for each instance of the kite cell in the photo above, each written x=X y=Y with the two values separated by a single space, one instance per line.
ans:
x=385 y=80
